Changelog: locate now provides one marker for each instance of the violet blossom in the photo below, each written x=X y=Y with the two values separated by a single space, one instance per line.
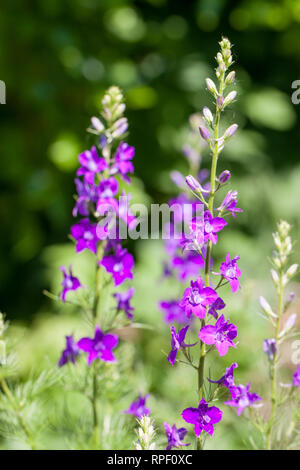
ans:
x=175 y=436
x=212 y=225
x=123 y=299
x=196 y=298
x=230 y=203
x=231 y=272
x=120 y=265
x=99 y=347
x=69 y=282
x=227 y=380
x=138 y=407
x=218 y=304
x=204 y=417
x=91 y=164
x=70 y=352
x=173 y=312
x=123 y=165
x=242 y=398
x=87 y=235
x=177 y=342
x=270 y=348
x=221 y=334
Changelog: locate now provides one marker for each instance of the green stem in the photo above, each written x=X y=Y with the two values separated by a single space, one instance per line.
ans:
x=274 y=398
x=209 y=245
x=14 y=405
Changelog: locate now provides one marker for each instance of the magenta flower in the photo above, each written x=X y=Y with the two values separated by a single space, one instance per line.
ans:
x=222 y=335
x=217 y=305
x=242 y=398
x=123 y=299
x=296 y=377
x=227 y=380
x=87 y=235
x=173 y=312
x=270 y=348
x=120 y=265
x=204 y=417
x=188 y=265
x=230 y=271
x=99 y=347
x=212 y=225
x=138 y=407
x=91 y=164
x=196 y=298
x=230 y=203
x=177 y=342
x=87 y=195
x=123 y=165
x=70 y=353
x=108 y=187
x=175 y=436
x=69 y=282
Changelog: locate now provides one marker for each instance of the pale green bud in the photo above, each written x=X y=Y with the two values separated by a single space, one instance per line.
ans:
x=211 y=87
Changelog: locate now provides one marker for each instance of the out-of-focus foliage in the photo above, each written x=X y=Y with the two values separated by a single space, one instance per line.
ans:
x=56 y=59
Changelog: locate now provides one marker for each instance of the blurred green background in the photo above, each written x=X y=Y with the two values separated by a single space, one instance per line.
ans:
x=56 y=59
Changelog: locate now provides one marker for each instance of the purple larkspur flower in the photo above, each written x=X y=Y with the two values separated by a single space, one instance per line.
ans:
x=175 y=436
x=123 y=165
x=123 y=299
x=221 y=334
x=87 y=194
x=91 y=164
x=99 y=347
x=218 y=304
x=270 y=348
x=230 y=203
x=177 y=342
x=173 y=312
x=87 y=235
x=231 y=272
x=242 y=398
x=212 y=225
x=138 y=407
x=204 y=417
x=70 y=352
x=296 y=377
x=108 y=187
x=187 y=266
x=69 y=282
x=227 y=380
x=196 y=298
x=120 y=265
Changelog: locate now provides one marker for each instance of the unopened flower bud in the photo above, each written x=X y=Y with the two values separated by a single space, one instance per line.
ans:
x=274 y=276
x=97 y=124
x=211 y=87
x=207 y=114
x=192 y=183
x=220 y=101
x=224 y=176
x=120 y=127
x=292 y=271
x=204 y=133
x=270 y=348
x=266 y=307
x=230 y=78
x=230 y=131
x=230 y=98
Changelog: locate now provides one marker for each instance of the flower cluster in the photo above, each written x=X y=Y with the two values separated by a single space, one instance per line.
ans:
x=201 y=299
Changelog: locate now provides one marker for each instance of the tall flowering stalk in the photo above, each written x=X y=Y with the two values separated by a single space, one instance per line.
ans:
x=201 y=300
x=281 y=275
x=103 y=216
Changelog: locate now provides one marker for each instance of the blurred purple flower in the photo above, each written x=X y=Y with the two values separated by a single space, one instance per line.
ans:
x=204 y=417
x=227 y=380
x=120 y=265
x=123 y=299
x=70 y=352
x=177 y=342
x=242 y=398
x=99 y=347
x=69 y=282
x=87 y=235
x=230 y=203
x=138 y=407
x=175 y=436
x=217 y=305
x=196 y=298
x=123 y=165
x=230 y=271
x=296 y=377
x=270 y=348
x=173 y=312
x=212 y=225
x=91 y=164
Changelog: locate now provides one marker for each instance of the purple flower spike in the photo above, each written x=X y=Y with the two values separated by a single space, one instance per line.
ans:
x=123 y=165
x=70 y=353
x=173 y=312
x=242 y=398
x=90 y=165
x=175 y=436
x=87 y=194
x=138 y=407
x=120 y=265
x=123 y=299
x=87 y=235
x=227 y=380
x=196 y=298
x=99 y=347
x=296 y=377
x=270 y=348
x=177 y=342
x=230 y=271
x=222 y=335
x=204 y=417
x=69 y=282
x=217 y=305
x=212 y=225
x=230 y=203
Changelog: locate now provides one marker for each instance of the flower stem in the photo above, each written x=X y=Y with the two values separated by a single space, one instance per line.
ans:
x=14 y=405
x=274 y=398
